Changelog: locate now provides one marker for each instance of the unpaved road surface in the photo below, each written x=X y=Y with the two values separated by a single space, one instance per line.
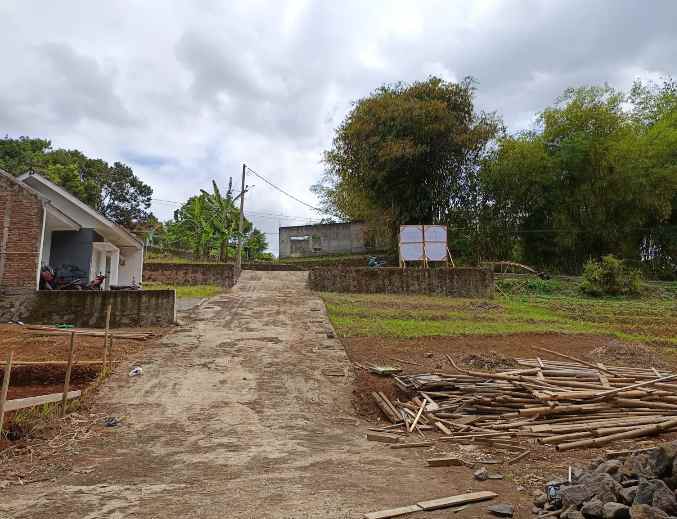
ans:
x=243 y=412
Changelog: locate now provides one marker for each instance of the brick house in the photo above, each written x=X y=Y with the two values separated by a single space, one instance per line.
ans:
x=42 y=224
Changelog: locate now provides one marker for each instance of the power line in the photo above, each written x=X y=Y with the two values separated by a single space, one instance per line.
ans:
x=285 y=192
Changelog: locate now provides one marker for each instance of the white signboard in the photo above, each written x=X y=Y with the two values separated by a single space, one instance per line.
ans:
x=436 y=233
x=411 y=234
x=423 y=242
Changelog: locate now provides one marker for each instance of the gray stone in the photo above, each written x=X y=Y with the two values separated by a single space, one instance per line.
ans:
x=573 y=514
x=638 y=465
x=628 y=495
x=502 y=510
x=592 y=509
x=661 y=460
x=575 y=495
x=540 y=499
x=656 y=493
x=671 y=480
x=646 y=512
x=664 y=498
x=611 y=467
x=615 y=511
x=481 y=474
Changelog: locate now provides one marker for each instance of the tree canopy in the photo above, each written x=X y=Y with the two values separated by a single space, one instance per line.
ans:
x=407 y=153
x=115 y=191
x=208 y=225
x=597 y=175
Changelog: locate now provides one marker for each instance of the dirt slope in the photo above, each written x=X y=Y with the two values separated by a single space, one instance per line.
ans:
x=240 y=414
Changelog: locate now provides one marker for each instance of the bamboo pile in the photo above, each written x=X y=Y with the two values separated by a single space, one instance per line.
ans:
x=567 y=403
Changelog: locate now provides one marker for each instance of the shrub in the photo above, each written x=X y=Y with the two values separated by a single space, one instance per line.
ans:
x=610 y=277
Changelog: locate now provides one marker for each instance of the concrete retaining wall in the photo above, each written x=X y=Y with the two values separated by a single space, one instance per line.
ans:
x=458 y=282
x=88 y=308
x=222 y=274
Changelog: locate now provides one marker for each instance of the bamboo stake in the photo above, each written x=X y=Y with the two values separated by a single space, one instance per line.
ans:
x=5 y=387
x=110 y=353
x=105 y=340
x=418 y=416
x=67 y=382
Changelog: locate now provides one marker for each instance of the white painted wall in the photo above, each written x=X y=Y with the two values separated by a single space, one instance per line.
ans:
x=131 y=266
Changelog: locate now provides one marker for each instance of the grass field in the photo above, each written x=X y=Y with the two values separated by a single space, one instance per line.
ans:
x=650 y=319
x=186 y=291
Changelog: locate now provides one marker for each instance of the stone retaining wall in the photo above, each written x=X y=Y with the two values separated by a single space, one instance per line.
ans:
x=88 y=308
x=458 y=282
x=222 y=274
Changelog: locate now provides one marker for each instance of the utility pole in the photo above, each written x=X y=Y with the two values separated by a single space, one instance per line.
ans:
x=238 y=262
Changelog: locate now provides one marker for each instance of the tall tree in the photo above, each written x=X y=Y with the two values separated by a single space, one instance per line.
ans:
x=592 y=181
x=409 y=153
x=115 y=190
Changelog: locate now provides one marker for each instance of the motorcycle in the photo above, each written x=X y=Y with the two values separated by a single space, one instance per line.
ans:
x=50 y=281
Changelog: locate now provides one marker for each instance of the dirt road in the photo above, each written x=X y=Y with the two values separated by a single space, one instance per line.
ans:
x=243 y=412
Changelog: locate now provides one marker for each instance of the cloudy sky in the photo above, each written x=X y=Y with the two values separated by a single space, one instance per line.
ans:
x=185 y=92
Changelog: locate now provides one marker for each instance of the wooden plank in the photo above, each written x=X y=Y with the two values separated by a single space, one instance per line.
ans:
x=56 y=362
x=461 y=499
x=31 y=401
x=393 y=512
x=5 y=387
x=411 y=445
x=383 y=437
x=445 y=462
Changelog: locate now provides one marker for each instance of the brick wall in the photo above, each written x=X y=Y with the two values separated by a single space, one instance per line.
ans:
x=458 y=282
x=88 y=308
x=222 y=274
x=21 y=216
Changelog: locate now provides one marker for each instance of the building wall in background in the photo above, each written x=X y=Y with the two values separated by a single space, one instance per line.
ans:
x=325 y=239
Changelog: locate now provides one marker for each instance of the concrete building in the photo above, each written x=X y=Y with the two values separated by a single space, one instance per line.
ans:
x=326 y=239
x=43 y=224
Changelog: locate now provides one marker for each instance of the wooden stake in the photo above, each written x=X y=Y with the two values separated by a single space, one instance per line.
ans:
x=67 y=382
x=105 y=339
x=5 y=387
x=110 y=353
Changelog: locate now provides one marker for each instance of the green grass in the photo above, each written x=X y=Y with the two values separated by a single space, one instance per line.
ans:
x=185 y=291
x=652 y=319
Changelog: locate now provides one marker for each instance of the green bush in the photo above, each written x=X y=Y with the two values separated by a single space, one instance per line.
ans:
x=610 y=277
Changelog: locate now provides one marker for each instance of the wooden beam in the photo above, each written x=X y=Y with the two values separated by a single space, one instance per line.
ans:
x=32 y=401
x=461 y=499
x=393 y=512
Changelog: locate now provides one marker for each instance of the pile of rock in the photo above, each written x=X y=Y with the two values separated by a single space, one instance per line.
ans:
x=640 y=486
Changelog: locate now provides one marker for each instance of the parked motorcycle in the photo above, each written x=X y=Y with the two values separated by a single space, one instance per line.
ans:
x=375 y=263
x=50 y=281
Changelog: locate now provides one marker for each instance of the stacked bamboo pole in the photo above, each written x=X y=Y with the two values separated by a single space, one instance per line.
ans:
x=568 y=403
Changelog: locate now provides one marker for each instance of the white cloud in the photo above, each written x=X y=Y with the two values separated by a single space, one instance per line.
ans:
x=186 y=92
